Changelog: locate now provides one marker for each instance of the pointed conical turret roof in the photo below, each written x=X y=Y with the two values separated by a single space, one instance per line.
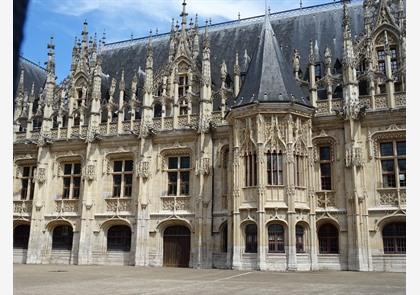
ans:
x=269 y=77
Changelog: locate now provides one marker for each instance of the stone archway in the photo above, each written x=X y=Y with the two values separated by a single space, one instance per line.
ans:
x=176 y=246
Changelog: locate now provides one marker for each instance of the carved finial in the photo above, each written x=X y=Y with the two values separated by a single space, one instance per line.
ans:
x=223 y=71
x=51 y=58
x=196 y=20
x=239 y=15
x=184 y=14
x=327 y=57
x=103 y=37
x=296 y=62
x=311 y=53
x=206 y=36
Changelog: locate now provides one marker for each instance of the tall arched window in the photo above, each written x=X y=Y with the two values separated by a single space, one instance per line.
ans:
x=251 y=243
x=275 y=238
x=393 y=236
x=157 y=110
x=224 y=238
x=300 y=235
x=62 y=238
x=119 y=238
x=328 y=239
x=21 y=236
x=274 y=168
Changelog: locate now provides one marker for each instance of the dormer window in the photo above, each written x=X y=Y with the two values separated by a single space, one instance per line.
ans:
x=183 y=108
x=182 y=85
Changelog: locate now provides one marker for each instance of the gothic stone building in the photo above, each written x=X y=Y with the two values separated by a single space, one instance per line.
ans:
x=274 y=142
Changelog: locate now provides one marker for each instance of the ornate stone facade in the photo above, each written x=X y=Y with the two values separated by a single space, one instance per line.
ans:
x=200 y=140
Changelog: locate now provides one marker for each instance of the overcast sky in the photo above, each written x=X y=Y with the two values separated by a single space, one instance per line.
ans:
x=120 y=19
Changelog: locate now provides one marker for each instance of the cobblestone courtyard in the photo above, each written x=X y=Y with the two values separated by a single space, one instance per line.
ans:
x=115 y=280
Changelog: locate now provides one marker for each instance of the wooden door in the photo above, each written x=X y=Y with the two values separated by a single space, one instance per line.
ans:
x=176 y=246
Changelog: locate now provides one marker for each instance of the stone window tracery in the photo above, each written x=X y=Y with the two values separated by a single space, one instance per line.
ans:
x=122 y=178
x=392 y=158
x=393 y=236
x=28 y=184
x=251 y=243
x=274 y=168
x=275 y=238
x=71 y=180
x=178 y=175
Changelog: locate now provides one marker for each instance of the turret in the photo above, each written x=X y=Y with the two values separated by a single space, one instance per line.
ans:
x=49 y=89
x=236 y=75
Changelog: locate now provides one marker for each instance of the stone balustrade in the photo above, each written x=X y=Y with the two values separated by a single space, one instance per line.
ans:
x=325 y=199
x=67 y=205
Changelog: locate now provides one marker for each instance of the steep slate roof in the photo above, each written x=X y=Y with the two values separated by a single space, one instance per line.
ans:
x=293 y=29
x=33 y=74
x=269 y=77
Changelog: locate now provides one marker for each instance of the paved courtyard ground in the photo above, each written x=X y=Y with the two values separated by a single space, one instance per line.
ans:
x=127 y=280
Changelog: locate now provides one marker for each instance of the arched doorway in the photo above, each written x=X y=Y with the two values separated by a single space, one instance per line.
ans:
x=21 y=236
x=176 y=246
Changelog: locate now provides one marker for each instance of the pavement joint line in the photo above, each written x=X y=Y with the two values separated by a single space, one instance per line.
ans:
x=231 y=277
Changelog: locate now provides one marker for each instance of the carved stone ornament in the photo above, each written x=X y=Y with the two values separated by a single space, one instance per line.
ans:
x=204 y=124
x=41 y=176
x=374 y=138
x=203 y=166
x=144 y=169
x=90 y=171
x=354 y=156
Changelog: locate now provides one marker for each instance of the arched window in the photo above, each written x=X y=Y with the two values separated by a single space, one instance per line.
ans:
x=104 y=115
x=183 y=107
x=127 y=113
x=157 y=111
x=274 y=168
x=36 y=123
x=328 y=239
x=393 y=236
x=275 y=238
x=62 y=237
x=224 y=238
x=251 y=169
x=251 y=243
x=300 y=243
x=76 y=121
x=21 y=236
x=119 y=238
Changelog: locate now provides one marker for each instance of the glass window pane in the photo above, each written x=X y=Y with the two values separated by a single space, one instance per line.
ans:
x=185 y=162
x=117 y=179
x=128 y=165
x=401 y=165
x=387 y=165
x=76 y=169
x=386 y=149
x=76 y=181
x=128 y=179
x=325 y=169
x=67 y=169
x=26 y=171
x=173 y=163
x=117 y=166
x=401 y=148
x=324 y=153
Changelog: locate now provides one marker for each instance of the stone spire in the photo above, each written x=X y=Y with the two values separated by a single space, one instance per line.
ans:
x=148 y=83
x=49 y=88
x=236 y=75
x=349 y=71
x=269 y=77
